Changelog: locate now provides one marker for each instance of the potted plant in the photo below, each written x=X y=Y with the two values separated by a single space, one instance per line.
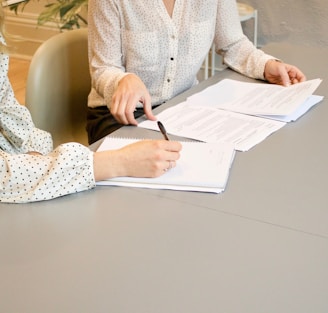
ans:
x=67 y=14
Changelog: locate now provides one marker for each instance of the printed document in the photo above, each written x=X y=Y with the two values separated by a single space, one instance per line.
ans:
x=214 y=125
x=255 y=98
x=239 y=113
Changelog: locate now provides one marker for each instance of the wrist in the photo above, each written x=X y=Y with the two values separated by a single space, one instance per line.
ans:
x=267 y=65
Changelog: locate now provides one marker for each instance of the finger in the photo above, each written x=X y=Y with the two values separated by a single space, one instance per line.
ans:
x=284 y=76
x=115 y=109
x=170 y=149
x=113 y=105
x=129 y=117
x=300 y=76
x=148 y=108
x=170 y=165
x=302 y=79
x=124 y=111
x=119 y=113
x=119 y=107
x=295 y=75
x=130 y=109
x=294 y=81
x=172 y=157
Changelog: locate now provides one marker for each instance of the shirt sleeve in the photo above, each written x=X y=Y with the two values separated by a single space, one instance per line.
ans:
x=18 y=133
x=238 y=51
x=104 y=42
x=65 y=170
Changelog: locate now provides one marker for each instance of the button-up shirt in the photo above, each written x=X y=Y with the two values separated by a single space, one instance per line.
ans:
x=165 y=52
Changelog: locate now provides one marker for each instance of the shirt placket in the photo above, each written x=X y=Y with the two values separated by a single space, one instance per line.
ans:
x=171 y=68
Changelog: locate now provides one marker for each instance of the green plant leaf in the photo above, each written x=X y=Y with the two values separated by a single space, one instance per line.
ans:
x=64 y=13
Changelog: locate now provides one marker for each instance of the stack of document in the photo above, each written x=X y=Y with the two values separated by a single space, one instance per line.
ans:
x=202 y=167
x=271 y=101
x=238 y=113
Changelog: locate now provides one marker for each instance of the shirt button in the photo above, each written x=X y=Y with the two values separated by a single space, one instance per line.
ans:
x=168 y=80
x=172 y=59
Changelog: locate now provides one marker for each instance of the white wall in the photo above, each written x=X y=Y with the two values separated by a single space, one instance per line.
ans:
x=295 y=21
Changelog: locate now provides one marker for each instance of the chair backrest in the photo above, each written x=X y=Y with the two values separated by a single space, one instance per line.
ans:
x=58 y=85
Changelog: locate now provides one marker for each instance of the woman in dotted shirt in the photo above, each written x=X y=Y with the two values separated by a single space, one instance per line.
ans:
x=31 y=171
x=142 y=53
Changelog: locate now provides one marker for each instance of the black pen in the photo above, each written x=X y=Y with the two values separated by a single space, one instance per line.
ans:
x=163 y=130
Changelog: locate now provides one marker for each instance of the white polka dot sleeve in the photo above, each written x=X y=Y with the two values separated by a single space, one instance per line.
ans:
x=17 y=131
x=26 y=178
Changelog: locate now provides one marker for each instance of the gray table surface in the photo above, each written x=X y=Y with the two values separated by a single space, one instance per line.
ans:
x=261 y=246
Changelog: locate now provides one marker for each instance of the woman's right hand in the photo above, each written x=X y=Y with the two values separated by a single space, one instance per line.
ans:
x=145 y=158
x=130 y=91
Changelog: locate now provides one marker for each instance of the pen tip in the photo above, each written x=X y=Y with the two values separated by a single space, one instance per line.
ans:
x=160 y=125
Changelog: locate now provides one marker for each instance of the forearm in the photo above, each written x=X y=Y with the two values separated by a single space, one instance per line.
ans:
x=238 y=51
x=246 y=59
x=29 y=177
x=106 y=165
x=104 y=44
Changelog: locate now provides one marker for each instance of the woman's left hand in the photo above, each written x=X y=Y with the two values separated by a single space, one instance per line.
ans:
x=281 y=73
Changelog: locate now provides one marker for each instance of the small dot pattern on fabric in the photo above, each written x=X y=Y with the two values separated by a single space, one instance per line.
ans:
x=165 y=52
x=25 y=177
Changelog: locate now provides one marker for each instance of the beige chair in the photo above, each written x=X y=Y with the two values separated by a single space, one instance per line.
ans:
x=58 y=85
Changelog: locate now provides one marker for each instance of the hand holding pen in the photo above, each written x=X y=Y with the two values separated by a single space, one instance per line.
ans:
x=164 y=133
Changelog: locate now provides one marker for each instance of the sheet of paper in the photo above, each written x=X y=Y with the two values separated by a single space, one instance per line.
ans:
x=214 y=125
x=255 y=98
x=300 y=111
x=201 y=167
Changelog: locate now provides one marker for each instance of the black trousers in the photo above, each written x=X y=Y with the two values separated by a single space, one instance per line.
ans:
x=100 y=122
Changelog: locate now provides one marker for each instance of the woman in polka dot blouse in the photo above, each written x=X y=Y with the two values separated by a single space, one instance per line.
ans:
x=31 y=171
x=144 y=52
